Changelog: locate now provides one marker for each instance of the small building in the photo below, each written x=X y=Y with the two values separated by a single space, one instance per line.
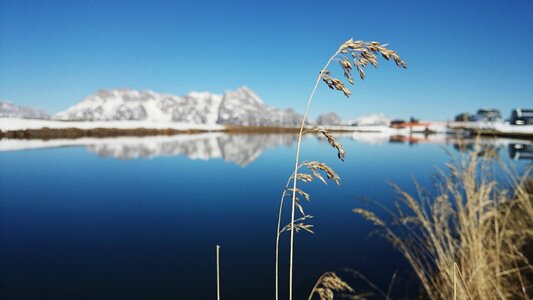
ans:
x=488 y=115
x=464 y=117
x=521 y=116
x=397 y=123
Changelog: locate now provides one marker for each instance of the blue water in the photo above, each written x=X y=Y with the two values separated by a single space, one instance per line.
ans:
x=79 y=224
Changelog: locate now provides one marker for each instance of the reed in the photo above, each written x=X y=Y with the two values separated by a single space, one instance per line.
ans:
x=468 y=240
x=351 y=55
x=218 y=272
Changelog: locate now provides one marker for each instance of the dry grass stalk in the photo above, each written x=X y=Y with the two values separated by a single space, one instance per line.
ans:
x=218 y=272
x=362 y=53
x=327 y=285
x=468 y=241
x=316 y=169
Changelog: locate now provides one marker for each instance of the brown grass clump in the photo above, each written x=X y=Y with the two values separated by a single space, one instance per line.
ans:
x=468 y=241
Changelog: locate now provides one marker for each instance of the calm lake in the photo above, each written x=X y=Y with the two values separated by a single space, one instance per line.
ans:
x=139 y=218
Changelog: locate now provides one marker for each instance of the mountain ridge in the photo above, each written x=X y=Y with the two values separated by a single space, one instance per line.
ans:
x=241 y=107
x=9 y=110
x=238 y=107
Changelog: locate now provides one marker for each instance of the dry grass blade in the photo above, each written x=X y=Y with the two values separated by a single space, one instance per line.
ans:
x=333 y=142
x=314 y=167
x=299 y=205
x=301 y=193
x=299 y=226
x=305 y=177
x=370 y=216
x=389 y=290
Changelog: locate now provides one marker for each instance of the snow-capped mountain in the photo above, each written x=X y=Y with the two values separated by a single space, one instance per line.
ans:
x=239 y=107
x=372 y=119
x=244 y=107
x=10 y=110
x=128 y=104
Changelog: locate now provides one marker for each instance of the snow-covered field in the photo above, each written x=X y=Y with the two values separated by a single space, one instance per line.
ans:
x=513 y=129
x=10 y=124
x=503 y=127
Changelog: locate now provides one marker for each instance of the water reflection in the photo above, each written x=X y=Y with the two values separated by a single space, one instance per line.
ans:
x=516 y=149
x=243 y=149
x=240 y=149
x=521 y=151
x=75 y=225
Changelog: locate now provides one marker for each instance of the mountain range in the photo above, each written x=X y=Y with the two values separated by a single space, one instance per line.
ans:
x=239 y=107
x=10 y=110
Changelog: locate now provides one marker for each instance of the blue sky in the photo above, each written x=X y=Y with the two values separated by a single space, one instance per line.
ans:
x=462 y=55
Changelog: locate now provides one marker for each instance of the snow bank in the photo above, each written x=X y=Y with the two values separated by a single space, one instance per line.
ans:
x=10 y=124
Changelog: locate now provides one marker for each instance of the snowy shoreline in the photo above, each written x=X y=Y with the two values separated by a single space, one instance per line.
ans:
x=18 y=124
x=51 y=129
x=15 y=124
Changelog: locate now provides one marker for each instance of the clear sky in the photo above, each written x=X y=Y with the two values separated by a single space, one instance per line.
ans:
x=462 y=55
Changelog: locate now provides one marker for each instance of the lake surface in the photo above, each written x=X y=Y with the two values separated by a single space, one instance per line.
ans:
x=139 y=218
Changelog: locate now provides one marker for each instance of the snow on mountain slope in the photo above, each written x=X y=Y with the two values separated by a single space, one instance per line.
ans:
x=121 y=104
x=200 y=108
x=10 y=110
x=239 y=107
x=244 y=107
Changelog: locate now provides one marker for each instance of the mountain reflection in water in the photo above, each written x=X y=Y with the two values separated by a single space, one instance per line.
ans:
x=239 y=149
x=243 y=149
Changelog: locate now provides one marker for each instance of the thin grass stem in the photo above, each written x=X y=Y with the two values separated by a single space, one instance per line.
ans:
x=297 y=162
x=218 y=272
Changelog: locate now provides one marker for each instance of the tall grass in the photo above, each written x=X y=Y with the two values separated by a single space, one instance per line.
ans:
x=351 y=55
x=468 y=241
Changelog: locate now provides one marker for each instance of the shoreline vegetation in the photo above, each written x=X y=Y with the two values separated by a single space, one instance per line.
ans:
x=472 y=237
x=73 y=133
x=101 y=132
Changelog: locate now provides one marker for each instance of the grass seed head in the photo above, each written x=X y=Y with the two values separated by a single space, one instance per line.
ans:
x=333 y=142
x=328 y=284
x=362 y=53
